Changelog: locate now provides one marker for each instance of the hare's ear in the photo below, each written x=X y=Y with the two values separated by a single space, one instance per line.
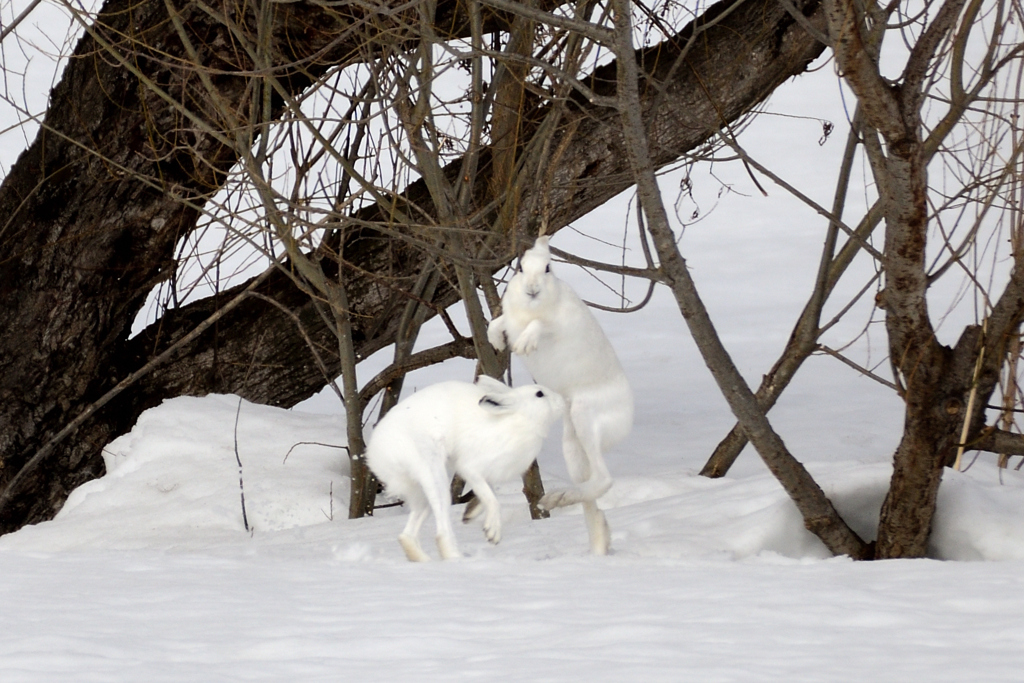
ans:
x=542 y=242
x=497 y=404
x=491 y=385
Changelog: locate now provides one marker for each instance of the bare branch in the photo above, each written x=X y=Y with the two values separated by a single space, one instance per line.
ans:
x=457 y=348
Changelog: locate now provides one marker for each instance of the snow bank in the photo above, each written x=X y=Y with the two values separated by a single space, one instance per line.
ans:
x=173 y=483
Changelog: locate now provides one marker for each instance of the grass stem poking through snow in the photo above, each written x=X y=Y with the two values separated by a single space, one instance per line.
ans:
x=238 y=459
x=330 y=517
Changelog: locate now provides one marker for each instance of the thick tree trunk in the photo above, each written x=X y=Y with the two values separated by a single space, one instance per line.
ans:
x=133 y=145
x=98 y=202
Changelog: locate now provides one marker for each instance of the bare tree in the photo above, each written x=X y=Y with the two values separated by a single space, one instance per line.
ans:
x=160 y=105
x=952 y=112
x=940 y=385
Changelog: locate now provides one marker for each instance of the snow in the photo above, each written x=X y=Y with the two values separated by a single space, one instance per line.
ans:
x=148 y=574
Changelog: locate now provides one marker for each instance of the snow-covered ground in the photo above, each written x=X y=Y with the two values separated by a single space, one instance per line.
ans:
x=148 y=574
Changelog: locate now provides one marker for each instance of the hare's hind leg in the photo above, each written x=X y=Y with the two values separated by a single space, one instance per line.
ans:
x=587 y=469
x=440 y=496
x=597 y=528
x=409 y=538
x=583 y=430
x=582 y=453
x=595 y=485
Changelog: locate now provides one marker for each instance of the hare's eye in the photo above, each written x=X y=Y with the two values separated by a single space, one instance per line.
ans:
x=547 y=269
x=540 y=394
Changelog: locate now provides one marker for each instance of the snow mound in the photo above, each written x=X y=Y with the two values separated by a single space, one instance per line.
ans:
x=174 y=478
x=173 y=483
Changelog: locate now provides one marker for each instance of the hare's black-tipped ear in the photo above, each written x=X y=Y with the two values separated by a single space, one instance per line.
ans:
x=542 y=242
x=495 y=404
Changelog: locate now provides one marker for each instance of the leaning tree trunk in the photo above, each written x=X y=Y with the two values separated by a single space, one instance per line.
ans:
x=134 y=143
x=119 y=173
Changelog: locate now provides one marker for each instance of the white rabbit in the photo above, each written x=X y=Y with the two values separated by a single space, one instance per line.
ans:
x=485 y=432
x=564 y=348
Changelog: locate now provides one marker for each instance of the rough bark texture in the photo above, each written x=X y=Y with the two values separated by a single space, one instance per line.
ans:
x=95 y=206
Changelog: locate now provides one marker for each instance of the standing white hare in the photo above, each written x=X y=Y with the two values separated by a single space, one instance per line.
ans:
x=564 y=348
x=485 y=432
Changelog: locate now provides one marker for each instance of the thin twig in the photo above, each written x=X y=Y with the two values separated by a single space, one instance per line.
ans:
x=461 y=347
x=311 y=443
x=652 y=274
x=18 y=19
x=859 y=368
x=238 y=459
x=309 y=342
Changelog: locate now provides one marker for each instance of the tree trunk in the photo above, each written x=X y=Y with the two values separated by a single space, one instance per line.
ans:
x=119 y=173
x=131 y=148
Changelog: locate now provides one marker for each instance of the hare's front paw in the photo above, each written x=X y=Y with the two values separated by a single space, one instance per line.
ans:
x=492 y=527
x=527 y=342
x=496 y=334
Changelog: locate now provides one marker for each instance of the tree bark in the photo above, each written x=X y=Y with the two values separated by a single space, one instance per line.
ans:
x=119 y=173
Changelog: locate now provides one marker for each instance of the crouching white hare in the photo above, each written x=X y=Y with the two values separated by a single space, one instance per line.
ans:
x=485 y=432
x=564 y=348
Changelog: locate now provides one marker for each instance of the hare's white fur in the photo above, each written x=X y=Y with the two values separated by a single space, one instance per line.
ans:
x=564 y=347
x=485 y=432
